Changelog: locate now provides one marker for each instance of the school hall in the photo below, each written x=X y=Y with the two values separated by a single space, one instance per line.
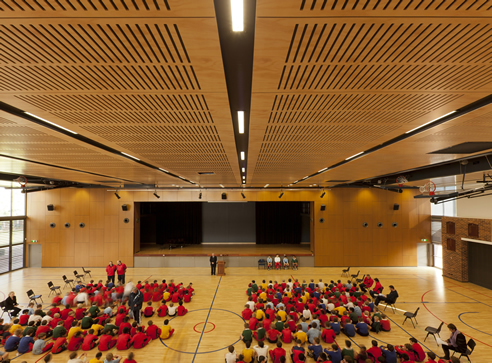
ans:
x=192 y=143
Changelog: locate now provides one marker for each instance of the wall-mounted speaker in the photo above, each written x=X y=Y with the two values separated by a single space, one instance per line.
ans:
x=365 y=224
x=396 y=206
x=67 y=225
x=224 y=195
x=323 y=207
x=394 y=224
x=321 y=220
x=51 y=207
x=82 y=225
x=380 y=224
x=126 y=220
x=124 y=207
x=52 y=225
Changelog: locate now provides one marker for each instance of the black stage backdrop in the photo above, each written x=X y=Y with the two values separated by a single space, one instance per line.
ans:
x=278 y=223
x=171 y=223
x=479 y=257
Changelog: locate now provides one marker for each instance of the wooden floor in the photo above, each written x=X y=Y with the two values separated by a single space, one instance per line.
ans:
x=225 y=249
x=219 y=301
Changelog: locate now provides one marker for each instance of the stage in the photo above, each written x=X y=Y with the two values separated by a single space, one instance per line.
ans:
x=235 y=255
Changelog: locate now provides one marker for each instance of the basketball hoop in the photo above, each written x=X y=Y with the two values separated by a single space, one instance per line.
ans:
x=401 y=180
x=22 y=180
x=429 y=187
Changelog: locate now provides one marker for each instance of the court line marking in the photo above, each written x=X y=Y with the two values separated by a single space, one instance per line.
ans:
x=459 y=293
x=471 y=312
x=194 y=328
x=490 y=297
x=212 y=351
x=206 y=320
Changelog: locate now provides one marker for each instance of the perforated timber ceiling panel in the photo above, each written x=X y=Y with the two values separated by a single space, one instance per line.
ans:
x=144 y=77
x=333 y=78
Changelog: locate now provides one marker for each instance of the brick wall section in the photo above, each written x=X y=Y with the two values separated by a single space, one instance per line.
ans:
x=455 y=263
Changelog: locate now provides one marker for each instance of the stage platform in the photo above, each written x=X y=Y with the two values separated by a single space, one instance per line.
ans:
x=234 y=255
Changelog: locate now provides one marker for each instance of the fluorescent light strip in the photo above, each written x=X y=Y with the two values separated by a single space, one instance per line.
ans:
x=242 y=155
x=319 y=171
x=418 y=127
x=353 y=156
x=243 y=170
x=130 y=156
x=240 y=121
x=221 y=186
x=266 y=185
x=51 y=123
x=237 y=15
x=165 y=171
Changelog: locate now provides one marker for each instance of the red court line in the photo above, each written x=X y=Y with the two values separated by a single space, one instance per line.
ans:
x=43 y=356
x=425 y=306
x=205 y=332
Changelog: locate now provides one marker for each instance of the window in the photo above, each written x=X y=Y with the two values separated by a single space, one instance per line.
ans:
x=447 y=209
x=12 y=227
x=472 y=230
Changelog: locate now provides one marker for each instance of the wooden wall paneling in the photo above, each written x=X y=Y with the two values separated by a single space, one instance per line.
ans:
x=51 y=255
x=37 y=214
x=97 y=195
x=82 y=253
x=366 y=253
x=67 y=241
x=335 y=227
x=96 y=243
x=364 y=234
x=142 y=196
x=395 y=253
x=111 y=204
x=53 y=234
x=126 y=214
x=82 y=234
x=96 y=213
x=350 y=211
x=53 y=197
x=111 y=229
x=110 y=251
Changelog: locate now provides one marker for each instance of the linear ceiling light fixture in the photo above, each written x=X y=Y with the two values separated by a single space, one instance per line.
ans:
x=322 y=170
x=243 y=170
x=164 y=170
x=353 y=156
x=418 y=127
x=240 y=121
x=243 y=156
x=237 y=13
x=51 y=123
x=130 y=156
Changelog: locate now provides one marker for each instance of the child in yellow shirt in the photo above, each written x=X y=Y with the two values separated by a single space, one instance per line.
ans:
x=166 y=330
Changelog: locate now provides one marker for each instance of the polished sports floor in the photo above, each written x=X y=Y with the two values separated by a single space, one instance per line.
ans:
x=214 y=320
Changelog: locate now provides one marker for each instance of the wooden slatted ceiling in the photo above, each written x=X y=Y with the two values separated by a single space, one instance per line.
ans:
x=333 y=78
x=152 y=86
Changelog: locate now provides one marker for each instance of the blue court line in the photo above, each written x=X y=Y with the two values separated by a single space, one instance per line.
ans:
x=353 y=341
x=472 y=312
x=206 y=320
x=490 y=306
x=373 y=337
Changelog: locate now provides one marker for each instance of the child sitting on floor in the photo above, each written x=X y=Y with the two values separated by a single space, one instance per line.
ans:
x=149 y=310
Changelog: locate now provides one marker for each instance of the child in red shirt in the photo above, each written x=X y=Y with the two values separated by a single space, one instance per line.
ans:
x=125 y=324
x=54 y=309
x=130 y=358
x=286 y=334
x=187 y=296
x=90 y=341
x=417 y=348
x=23 y=319
x=432 y=357
x=60 y=345
x=76 y=341
x=80 y=312
x=57 y=300
x=153 y=331
x=157 y=295
x=385 y=323
x=247 y=313
x=181 y=309
x=124 y=340
x=328 y=335
x=140 y=340
x=276 y=353
x=272 y=335
x=149 y=310
x=162 y=311
x=106 y=342
x=64 y=313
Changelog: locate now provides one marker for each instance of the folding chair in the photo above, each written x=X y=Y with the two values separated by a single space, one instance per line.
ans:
x=346 y=272
x=355 y=276
x=392 y=305
x=87 y=272
x=53 y=288
x=4 y=310
x=67 y=282
x=33 y=297
x=471 y=346
x=433 y=331
x=77 y=276
x=358 y=281
x=411 y=316
x=262 y=262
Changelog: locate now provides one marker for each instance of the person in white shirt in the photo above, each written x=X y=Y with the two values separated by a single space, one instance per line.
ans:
x=321 y=285
x=82 y=298
x=36 y=318
x=47 y=317
x=277 y=262
x=251 y=304
x=171 y=310
x=80 y=359
x=231 y=355
x=330 y=307
x=261 y=350
x=306 y=313
x=290 y=284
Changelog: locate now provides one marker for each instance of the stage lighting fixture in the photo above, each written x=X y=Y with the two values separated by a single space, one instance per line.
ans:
x=323 y=194
x=281 y=195
x=117 y=196
x=243 y=195
x=200 y=196
x=156 y=195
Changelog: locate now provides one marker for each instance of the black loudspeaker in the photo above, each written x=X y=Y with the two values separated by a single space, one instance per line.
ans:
x=396 y=206
x=224 y=196
x=51 y=207
x=323 y=207
x=124 y=207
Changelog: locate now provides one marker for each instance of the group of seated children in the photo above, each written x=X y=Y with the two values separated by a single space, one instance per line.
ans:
x=291 y=312
x=282 y=262
x=105 y=324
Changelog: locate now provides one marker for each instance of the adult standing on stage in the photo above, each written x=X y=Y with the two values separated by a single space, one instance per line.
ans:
x=111 y=270
x=135 y=303
x=11 y=304
x=213 y=263
x=121 y=270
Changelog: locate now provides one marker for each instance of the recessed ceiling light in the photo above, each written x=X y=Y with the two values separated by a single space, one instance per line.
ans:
x=243 y=170
x=51 y=123
x=240 y=121
x=242 y=155
x=266 y=185
x=237 y=15
x=353 y=156
x=418 y=127
x=131 y=156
